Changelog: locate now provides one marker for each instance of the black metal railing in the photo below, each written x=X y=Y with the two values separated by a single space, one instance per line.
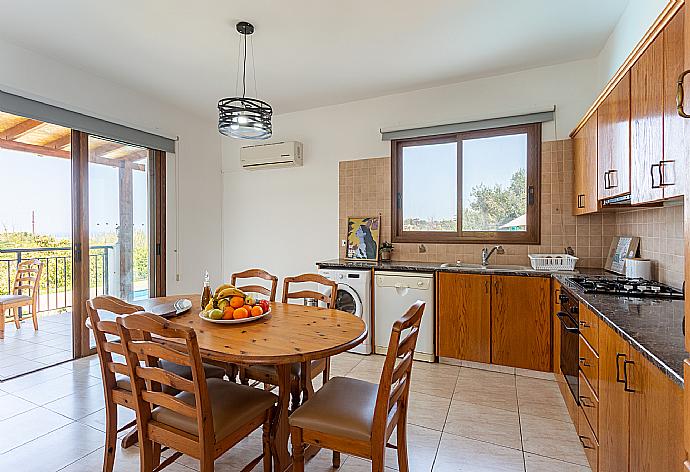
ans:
x=55 y=288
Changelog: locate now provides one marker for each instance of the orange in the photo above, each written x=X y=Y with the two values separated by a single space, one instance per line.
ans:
x=240 y=313
x=228 y=313
x=257 y=311
x=248 y=308
x=236 y=302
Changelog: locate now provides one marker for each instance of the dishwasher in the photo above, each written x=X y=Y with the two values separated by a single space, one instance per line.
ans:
x=394 y=293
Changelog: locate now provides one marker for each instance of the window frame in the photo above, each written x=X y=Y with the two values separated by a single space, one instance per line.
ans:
x=533 y=234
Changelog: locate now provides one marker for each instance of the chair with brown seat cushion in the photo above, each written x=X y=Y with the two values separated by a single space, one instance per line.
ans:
x=268 y=374
x=116 y=384
x=24 y=292
x=357 y=417
x=203 y=421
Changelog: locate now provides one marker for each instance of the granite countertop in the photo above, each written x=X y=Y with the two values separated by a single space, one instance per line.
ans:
x=652 y=327
x=410 y=266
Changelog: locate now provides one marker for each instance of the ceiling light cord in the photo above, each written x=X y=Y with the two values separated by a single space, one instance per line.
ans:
x=244 y=69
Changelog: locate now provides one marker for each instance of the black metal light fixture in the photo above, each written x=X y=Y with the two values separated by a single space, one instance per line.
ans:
x=244 y=117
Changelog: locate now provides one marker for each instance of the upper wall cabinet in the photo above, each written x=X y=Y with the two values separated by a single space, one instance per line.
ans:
x=585 y=162
x=658 y=145
x=614 y=142
x=647 y=112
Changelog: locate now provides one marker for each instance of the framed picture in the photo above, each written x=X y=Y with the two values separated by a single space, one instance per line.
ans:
x=363 y=238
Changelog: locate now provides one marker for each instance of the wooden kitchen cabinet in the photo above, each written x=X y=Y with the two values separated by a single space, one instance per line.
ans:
x=647 y=124
x=656 y=412
x=556 y=327
x=585 y=186
x=521 y=322
x=614 y=407
x=464 y=316
x=676 y=143
x=613 y=138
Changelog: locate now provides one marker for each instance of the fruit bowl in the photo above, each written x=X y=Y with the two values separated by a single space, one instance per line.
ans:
x=203 y=316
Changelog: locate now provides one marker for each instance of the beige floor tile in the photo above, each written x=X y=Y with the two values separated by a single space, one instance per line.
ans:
x=36 y=378
x=498 y=392
x=503 y=369
x=551 y=438
x=535 y=374
x=344 y=363
x=356 y=464
x=458 y=454
x=546 y=408
x=59 y=387
x=484 y=423
x=438 y=383
x=473 y=376
x=11 y=406
x=28 y=426
x=537 y=388
x=97 y=420
x=427 y=411
x=80 y=404
x=536 y=463
x=422 y=444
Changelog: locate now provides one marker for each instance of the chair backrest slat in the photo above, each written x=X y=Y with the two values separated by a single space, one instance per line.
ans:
x=254 y=288
x=169 y=402
x=106 y=347
x=329 y=298
x=165 y=377
x=147 y=348
x=394 y=386
x=30 y=271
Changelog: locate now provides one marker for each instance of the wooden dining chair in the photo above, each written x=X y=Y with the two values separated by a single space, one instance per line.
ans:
x=116 y=383
x=357 y=417
x=207 y=418
x=257 y=274
x=268 y=374
x=24 y=292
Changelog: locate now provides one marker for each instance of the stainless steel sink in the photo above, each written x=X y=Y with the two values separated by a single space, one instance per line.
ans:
x=494 y=267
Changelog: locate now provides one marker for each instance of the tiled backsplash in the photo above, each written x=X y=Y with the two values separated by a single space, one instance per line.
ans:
x=365 y=190
x=661 y=239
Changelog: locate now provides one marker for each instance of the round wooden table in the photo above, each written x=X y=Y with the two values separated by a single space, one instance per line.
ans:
x=291 y=333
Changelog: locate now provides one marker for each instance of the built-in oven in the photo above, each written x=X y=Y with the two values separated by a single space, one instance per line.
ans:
x=570 y=342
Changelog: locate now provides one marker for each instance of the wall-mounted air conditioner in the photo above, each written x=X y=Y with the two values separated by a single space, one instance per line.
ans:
x=261 y=156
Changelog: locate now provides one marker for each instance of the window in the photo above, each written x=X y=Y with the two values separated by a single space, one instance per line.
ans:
x=471 y=187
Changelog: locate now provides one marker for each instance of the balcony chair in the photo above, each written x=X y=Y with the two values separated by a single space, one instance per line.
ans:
x=27 y=279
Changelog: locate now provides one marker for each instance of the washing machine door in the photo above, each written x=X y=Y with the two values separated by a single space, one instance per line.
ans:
x=348 y=300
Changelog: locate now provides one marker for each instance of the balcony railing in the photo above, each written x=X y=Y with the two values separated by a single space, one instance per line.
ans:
x=55 y=289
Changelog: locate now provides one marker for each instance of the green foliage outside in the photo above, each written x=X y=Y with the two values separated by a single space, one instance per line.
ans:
x=57 y=274
x=489 y=208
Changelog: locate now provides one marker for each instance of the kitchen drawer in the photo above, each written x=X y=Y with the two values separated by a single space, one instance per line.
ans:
x=589 y=441
x=589 y=403
x=589 y=327
x=589 y=364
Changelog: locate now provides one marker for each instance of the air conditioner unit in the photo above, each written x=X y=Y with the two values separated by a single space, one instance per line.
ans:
x=261 y=156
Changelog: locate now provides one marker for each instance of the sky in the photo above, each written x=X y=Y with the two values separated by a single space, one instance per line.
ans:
x=42 y=184
x=429 y=172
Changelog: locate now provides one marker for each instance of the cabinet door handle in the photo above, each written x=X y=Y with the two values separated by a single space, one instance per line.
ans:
x=585 y=445
x=583 y=362
x=618 y=369
x=680 y=95
x=613 y=172
x=606 y=180
x=584 y=324
x=662 y=173
x=581 y=201
x=627 y=387
x=651 y=171
x=586 y=402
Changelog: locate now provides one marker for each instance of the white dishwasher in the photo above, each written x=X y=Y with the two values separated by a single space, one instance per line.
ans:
x=394 y=293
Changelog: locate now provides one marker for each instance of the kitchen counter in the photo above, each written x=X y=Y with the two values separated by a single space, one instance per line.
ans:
x=409 y=266
x=652 y=327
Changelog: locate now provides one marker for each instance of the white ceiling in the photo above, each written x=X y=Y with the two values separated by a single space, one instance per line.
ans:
x=309 y=53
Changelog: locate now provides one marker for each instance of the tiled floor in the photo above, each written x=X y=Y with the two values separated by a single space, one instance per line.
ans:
x=461 y=419
x=27 y=350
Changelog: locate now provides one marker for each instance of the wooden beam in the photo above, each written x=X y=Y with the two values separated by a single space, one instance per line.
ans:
x=52 y=152
x=60 y=142
x=20 y=128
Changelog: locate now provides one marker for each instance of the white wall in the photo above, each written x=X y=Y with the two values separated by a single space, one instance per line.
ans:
x=285 y=220
x=633 y=24
x=35 y=76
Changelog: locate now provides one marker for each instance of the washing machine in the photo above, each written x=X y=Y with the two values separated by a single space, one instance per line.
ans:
x=354 y=296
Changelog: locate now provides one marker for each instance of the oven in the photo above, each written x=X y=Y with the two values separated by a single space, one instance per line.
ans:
x=570 y=342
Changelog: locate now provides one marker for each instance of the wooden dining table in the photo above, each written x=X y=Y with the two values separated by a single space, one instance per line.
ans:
x=290 y=334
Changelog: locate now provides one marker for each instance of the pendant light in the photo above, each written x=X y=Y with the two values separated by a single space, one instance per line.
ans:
x=244 y=117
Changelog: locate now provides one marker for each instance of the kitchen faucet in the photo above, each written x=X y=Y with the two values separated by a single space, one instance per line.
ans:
x=486 y=254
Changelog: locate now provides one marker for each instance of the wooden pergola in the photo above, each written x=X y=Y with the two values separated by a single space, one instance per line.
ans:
x=45 y=139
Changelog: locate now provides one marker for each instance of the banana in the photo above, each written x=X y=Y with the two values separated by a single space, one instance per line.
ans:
x=222 y=287
x=230 y=292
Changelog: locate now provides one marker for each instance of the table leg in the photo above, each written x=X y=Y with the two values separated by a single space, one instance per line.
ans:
x=281 y=426
x=307 y=387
